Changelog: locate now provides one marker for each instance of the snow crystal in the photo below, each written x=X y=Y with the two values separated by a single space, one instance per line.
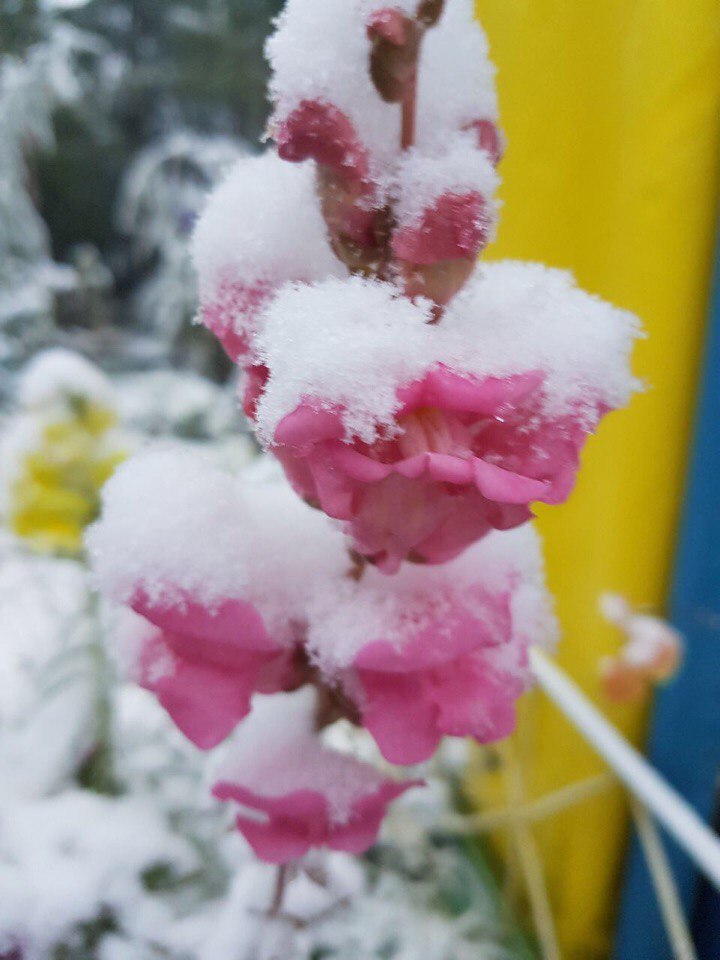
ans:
x=459 y=169
x=515 y=316
x=352 y=344
x=351 y=614
x=176 y=525
x=275 y=752
x=262 y=225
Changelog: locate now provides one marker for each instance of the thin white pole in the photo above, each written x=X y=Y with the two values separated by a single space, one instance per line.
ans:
x=674 y=813
x=664 y=883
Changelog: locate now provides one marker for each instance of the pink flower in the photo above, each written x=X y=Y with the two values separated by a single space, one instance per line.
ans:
x=390 y=25
x=457 y=673
x=296 y=794
x=299 y=820
x=321 y=132
x=252 y=385
x=455 y=226
x=470 y=455
x=204 y=663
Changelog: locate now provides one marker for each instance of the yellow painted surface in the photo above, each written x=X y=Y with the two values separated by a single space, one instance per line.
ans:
x=611 y=112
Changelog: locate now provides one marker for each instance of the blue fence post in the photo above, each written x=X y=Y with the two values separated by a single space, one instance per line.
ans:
x=684 y=742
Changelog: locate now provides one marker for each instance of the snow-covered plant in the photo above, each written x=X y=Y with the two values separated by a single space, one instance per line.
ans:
x=57 y=451
x=51 y=72
x=418 y=403
x=161 y=194
x=25 y=104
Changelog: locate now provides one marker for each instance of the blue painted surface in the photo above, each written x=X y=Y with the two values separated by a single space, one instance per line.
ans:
x=684 y=741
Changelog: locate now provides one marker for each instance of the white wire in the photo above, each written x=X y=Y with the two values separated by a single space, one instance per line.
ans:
x=674 y=813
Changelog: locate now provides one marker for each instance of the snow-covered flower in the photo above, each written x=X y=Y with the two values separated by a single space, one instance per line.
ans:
x=423 y=437
x=203 y=664
x=293 y=793
x=242 y=588
x=261 y=228
x=209 y=571
x=449 y=640
x=422 y=401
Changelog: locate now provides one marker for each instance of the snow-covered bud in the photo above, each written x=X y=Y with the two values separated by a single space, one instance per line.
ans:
x=394 y=54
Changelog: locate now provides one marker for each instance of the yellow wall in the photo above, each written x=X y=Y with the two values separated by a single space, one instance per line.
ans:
x=611 y=112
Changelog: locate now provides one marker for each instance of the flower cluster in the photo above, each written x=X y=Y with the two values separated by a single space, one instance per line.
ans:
x=418 y=404
x=242 y=589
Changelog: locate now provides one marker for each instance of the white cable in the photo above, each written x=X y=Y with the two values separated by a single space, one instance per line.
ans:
x=674 y=813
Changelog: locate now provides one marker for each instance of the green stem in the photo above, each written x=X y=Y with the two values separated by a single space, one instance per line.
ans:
x=97 y=772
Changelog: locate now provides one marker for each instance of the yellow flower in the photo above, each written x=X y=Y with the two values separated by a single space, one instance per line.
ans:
x=65 y=453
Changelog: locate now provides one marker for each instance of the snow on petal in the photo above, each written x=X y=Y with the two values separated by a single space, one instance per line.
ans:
x=425 y=182
x=424 y=437
x=451 y=640
x=293 y=793
x=261 y=228
x=205 y=560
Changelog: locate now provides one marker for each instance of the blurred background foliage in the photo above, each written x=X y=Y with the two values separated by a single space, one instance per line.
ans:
x=196 y=64
x=117 y=118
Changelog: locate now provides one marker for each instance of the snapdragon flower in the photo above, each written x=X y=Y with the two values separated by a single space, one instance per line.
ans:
x=423 y=437
x=418 y=403
x=291 y=793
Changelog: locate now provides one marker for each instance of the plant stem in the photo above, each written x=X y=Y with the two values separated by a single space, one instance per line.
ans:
x=281 y=880
x=408 y=107
x=97 y=772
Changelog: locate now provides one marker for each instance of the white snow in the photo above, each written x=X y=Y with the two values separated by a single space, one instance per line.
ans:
x=347 y=343
x=262 y=225
x=176 y=525
x=460 y=169
x=456 y=81
x=46 y=688
x=350 y=614
x=56 y=375
x=321 y=52
x=353 y=344
x=455 y=77
x=66 y=858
